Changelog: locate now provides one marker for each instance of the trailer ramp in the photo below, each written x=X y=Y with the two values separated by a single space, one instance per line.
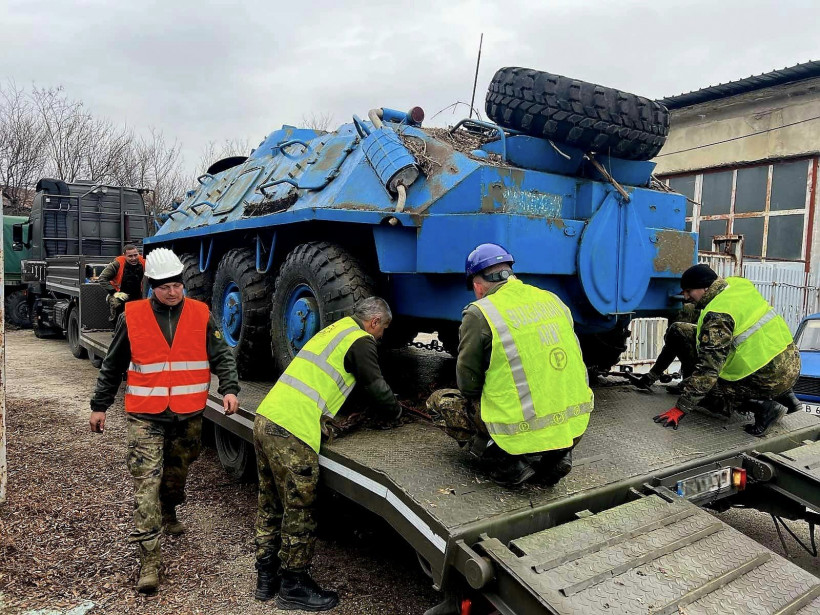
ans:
x=654 y=555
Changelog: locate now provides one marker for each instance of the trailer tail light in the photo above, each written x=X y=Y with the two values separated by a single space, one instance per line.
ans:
x=739 y=478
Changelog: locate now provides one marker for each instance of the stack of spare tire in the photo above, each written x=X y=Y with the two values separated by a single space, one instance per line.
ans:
x=590 y=117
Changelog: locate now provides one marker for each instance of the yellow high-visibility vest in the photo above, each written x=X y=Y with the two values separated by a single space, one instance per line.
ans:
x=536 y=394
x=760 y=334
x=314 y=384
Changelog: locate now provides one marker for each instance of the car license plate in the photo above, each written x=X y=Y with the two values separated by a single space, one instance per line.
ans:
x=704 y=483
x=812 y=408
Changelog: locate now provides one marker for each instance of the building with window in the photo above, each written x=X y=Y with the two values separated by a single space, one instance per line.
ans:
x=745 y=154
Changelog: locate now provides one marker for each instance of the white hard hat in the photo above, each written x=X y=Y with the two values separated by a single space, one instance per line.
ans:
x=162 y=263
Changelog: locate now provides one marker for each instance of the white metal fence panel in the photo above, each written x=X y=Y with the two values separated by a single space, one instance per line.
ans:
x=723 y=265
x=645 y=340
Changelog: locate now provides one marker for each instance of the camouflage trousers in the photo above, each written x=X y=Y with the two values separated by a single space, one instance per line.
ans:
x=288 y=481
x=159 y=455
x=678 y=343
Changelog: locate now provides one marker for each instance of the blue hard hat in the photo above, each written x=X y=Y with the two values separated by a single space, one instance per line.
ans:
x=486 y=255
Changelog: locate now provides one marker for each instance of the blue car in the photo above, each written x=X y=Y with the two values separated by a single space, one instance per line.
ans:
x=807 y=388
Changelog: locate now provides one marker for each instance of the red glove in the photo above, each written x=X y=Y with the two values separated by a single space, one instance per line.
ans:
x=670 y=418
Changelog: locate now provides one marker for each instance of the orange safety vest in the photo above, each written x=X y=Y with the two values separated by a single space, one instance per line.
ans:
x=159 y=376
x=117 y=281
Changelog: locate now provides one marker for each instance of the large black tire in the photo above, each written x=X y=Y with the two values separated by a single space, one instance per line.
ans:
x=251 y=345
x=584 y=115
x=602 y=351
x=17 y=309
x=198 y=285
x=236 y=456
x=72 y=335
x=336 y=280
x=448 y=336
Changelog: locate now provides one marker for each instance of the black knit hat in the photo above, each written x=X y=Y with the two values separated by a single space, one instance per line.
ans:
x=154 y=283
x=698 y=276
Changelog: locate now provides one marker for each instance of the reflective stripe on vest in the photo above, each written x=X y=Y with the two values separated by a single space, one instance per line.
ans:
x=759 y=334
x=162 y=377
x=535 y=396
x=117 y=281
x=315 y=384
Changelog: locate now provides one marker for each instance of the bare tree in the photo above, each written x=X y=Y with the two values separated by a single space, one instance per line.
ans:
x=317 y=121
x=22 y=139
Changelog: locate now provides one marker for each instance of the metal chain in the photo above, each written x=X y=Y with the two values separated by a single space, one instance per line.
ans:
x=433 y=345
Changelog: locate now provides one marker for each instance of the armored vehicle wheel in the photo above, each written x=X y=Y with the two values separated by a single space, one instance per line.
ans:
x=235 y=455
x=448 y=336
x=318 y=284
x=583 y=115
x=198 y=285
x=17 y=312
x=603 y=350
x=73 y=335
x=241 y=307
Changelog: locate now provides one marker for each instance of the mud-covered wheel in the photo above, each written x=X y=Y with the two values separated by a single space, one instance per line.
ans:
x=602 y=351
x=236 y=456
x=318 y=284
x=241 y=307
x=198 y=284
x=72 y=334
x=17 y=310
x=584 y=115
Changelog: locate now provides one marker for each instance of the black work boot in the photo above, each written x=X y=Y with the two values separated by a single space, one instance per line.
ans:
x=767 y=414
x=550 y=472
x=268 y=578
x=791 y=402
x=512 y=471
x=298 y=591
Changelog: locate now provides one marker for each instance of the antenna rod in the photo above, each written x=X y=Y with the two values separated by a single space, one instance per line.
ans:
x=475 y=81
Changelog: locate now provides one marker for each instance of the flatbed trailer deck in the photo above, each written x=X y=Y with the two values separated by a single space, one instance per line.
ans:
x=612 y=537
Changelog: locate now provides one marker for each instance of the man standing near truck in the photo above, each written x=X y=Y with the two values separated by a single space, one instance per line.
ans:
x=169 y=345
x=523 y=398
x=122 y=279
x=287 y=434
x=746 y=358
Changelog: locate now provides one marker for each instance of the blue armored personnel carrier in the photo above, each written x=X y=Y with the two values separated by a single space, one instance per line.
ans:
x=284 y=241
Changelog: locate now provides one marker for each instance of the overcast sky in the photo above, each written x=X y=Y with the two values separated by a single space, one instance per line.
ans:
x=203 y=71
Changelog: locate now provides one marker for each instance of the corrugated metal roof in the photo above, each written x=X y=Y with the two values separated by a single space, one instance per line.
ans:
x=790 y=74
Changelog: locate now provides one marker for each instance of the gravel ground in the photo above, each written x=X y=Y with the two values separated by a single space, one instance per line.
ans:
x=63 y=529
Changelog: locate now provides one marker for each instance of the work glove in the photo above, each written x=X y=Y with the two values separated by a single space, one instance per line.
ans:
x=670 y=418
x=121 y=296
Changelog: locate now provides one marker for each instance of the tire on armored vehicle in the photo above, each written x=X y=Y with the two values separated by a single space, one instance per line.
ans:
x=198 y=284
x=318 y=283
x=584 y=115
x=235 y=454
x=17 y=310
x=241 y=308
x=603 y=350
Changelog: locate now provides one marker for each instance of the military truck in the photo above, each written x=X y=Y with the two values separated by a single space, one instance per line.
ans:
x=284 y=241
x=16 y=299
x=74 y=230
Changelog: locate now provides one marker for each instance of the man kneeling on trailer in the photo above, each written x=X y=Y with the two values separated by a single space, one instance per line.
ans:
x=746 y=359
x=523 y=398
x=287 y=433
x=169 y=346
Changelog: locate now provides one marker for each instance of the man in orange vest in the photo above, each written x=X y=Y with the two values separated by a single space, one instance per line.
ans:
x=122 y=279
x=169 y=345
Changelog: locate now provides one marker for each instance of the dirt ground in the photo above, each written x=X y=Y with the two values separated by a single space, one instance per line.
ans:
x=64 y=527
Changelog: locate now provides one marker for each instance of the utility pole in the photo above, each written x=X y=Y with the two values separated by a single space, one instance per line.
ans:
x=475 y=81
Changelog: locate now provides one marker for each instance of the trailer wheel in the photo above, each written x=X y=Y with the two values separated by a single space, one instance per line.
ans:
x=17 y=311
x=580 y=114
x=235 y=455
x=73 y=335
x=241 y=306
x=198 y=284
x=318 y=284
